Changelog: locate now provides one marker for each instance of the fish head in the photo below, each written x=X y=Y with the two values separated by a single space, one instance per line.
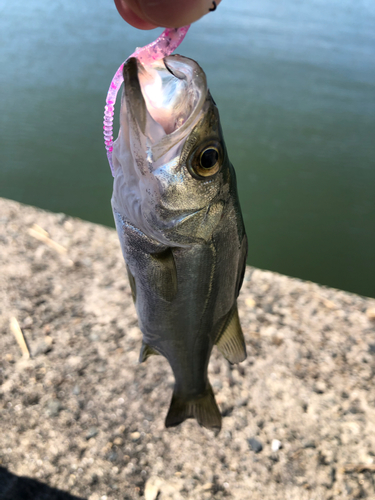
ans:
x=172 y=172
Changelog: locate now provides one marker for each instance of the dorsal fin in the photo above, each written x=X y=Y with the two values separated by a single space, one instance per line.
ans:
x=230 y=341
x=146 y=352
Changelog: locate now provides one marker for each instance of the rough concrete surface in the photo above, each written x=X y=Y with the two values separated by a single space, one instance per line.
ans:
x=82 y=416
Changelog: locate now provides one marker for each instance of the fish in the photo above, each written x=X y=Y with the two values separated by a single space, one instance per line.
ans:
x=179 y=221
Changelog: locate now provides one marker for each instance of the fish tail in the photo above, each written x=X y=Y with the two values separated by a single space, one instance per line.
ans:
x=203 y=408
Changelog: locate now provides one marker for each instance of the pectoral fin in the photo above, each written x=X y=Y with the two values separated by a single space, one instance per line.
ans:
x=132 y=284
x=231 y=342
x=203 y=408
x=146 y=352
x=148 y=261
x=163 y=274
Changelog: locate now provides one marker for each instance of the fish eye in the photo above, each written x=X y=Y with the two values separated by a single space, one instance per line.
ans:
x=207 y=160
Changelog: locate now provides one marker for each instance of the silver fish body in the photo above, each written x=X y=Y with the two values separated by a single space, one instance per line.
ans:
x=180 y=226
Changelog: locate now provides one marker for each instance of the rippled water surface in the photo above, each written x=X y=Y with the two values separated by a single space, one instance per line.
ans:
x=294 y=82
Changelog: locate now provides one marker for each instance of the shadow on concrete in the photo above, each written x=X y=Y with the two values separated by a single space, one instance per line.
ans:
x=13 y=487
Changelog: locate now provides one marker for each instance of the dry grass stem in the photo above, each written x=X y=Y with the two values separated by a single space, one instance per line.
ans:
x=40 y=234
x=17 y=332
x=358 y=468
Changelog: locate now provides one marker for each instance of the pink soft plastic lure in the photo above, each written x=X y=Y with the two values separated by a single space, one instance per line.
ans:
x=163 y=46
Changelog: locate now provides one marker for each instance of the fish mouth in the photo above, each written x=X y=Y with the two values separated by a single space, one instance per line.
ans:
x=164 y=99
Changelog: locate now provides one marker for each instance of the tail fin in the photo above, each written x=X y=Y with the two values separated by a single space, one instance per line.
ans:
x=203 y=408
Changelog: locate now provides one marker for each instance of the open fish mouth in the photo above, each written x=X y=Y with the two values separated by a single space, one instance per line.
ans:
x=164 y=99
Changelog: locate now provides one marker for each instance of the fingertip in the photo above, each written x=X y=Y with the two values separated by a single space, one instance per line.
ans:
x=131 y=17
x=147 y=15
x=173 y=13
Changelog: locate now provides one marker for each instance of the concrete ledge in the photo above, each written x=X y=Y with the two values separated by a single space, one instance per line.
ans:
x=83 y=416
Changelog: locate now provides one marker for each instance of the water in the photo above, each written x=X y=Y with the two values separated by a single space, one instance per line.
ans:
x=294 y=82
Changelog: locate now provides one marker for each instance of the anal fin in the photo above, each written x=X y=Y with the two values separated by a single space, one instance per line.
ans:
x=146 y=352
x=203 y=408
x=231 y=342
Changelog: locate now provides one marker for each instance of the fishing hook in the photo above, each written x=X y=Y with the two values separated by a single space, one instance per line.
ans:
x=214 y=7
